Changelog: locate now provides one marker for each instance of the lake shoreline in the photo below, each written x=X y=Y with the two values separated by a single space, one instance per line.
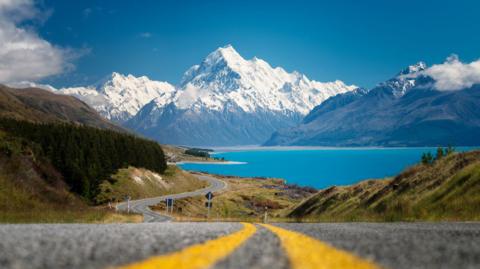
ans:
x=316 y=167
x=208 y=162
x=218 y=150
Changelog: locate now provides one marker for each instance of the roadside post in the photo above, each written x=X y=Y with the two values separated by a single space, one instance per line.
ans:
x=265 y=215
x=166 y=206
x=128 y=203
x=208 y=204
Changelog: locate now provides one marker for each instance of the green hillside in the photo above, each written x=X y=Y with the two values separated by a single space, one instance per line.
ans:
x=32 y=190
x=85 y=156
x=447 y=189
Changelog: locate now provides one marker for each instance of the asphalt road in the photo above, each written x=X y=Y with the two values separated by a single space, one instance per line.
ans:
x=390 y=245
x=142 y=206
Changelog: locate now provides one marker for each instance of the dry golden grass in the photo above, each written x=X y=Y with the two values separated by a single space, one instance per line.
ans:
x=244 y=199
x=141 y=183
x=448 y=190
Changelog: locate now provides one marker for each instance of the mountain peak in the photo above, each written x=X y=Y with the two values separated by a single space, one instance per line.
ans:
x=404 y=80
x=415 y=68
x=227 y=53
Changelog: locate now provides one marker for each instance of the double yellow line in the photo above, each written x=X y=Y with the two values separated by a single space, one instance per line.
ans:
x=303 y=252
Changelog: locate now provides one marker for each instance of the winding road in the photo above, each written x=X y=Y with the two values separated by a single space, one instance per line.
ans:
x=217 y=245
x=142 y=206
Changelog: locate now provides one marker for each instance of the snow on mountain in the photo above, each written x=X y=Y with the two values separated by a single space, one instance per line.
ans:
x=228 y=100
x=119 y=97
x=226 y=77
x=404 y=80
x=407 y=110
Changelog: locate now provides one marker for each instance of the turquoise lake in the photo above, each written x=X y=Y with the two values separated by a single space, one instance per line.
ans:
x=319 y=168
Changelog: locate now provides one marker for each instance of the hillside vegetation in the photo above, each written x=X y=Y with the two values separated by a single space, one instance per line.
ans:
x=446 y=189
x=32 y=190
x=85 y=156
x=175 y=154
x=141 y=183
x=244 y=199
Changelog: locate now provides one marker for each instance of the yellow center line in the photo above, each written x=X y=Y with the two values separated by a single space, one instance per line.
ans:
x=305 y=252
x=198 y=256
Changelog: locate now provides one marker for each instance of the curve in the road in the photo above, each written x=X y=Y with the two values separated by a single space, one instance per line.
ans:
x=142 y=206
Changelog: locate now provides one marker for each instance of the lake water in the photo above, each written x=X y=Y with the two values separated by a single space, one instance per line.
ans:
x=318 y=168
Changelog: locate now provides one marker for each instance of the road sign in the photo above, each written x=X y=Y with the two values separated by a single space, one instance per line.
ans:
x=208 y=204
x=169 y=204
x=209 y=195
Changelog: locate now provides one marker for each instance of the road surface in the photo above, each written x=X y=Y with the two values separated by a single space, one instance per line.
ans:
x=236 y=245
x=143 y=206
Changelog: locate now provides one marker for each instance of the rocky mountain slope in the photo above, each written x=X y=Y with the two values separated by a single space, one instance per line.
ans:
x=406 y=110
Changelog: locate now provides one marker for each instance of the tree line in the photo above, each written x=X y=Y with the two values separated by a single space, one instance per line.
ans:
x=428 y=158
x=86 y=156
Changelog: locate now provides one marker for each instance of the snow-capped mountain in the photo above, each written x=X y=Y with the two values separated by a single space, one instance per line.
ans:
x=119 y=97
x=406 y=110
x=228 y=100
x=225 y=77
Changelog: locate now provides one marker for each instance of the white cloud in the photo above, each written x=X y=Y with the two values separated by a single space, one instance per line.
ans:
x=30 y=84
x=454 y=75
x=24 y=55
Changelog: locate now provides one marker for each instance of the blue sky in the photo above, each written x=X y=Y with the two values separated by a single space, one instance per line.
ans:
x=359 y=42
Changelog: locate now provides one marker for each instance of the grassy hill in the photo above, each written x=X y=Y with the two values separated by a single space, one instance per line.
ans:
x=85 y=156
x=244 y=199
x=32 y=190
x=141 y=183
x=447 y=189
x=38 y=105
x=59 y=160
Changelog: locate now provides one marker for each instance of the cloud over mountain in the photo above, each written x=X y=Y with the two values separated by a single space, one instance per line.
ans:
x=24 y=55
x=453 y=74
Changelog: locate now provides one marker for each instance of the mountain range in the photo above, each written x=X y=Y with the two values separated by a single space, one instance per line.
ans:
x=118 y=97
x=225 y=100
x=406 y=110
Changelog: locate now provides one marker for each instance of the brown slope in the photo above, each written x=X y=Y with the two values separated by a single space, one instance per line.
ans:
x=449 y=189
x=38 y=105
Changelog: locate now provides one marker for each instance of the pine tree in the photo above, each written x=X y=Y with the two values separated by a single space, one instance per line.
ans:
x=427 y=158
